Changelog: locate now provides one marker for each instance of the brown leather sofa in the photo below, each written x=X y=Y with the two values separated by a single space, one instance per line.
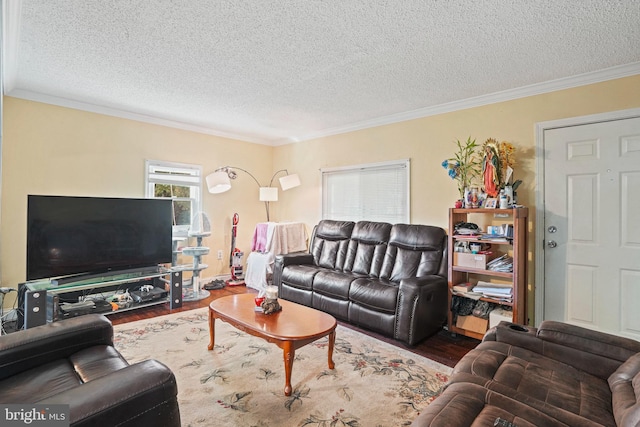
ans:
x=391 y=279
x=554 y=375
x=73 y=362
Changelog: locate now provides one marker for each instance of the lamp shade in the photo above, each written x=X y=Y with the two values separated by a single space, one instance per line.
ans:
x=268 y=194
x=289 y=181
x=218 y=182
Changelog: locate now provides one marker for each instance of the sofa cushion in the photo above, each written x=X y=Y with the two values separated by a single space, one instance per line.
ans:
x=329 y=243
x=625 y=392
x=377 y=294
x=329 y=253
x=334 y=284
x=367 y=248
x=299 y=275
x=471 y=405
x=538 y=381
x=413 y=251
x=39 y=383
x=60 y=375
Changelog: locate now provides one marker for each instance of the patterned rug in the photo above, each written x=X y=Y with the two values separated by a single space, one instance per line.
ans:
x=241 y=381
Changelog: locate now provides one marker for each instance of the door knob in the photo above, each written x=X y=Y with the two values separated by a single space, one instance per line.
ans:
x=552 y=244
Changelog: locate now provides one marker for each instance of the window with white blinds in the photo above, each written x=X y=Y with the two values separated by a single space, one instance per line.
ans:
x=371 y=192
x=182 y=184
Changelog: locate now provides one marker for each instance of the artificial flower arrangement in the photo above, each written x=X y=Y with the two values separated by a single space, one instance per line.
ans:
x=506 y=154
x=464 y=166
x=494 y=165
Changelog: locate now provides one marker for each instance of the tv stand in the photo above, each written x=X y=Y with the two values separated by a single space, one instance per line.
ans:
x=81 y=279
x=42 y=298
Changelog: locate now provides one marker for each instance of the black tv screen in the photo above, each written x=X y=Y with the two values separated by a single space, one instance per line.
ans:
x=85 y=235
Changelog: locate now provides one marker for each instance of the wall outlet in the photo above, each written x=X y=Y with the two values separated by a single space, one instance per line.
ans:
x=219 y=253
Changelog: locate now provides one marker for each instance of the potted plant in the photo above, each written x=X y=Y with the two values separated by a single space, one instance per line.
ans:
x=464 y=166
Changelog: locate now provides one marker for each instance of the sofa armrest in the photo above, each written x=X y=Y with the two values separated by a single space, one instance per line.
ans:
x=33 y=347
x=422 y=307
x=416 y=284
x=143 y=394
x=289 y=259
x=595 y=352
x=294 y=258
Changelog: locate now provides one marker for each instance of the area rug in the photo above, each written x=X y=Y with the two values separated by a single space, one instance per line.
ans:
x=241 y=381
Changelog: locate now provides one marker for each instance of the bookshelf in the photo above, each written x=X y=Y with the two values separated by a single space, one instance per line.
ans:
x=515 y=247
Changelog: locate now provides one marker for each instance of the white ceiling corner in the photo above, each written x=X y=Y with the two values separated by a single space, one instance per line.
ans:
x=275 y=72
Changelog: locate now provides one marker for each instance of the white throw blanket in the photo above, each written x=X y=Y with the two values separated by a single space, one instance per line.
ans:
x=275 y=238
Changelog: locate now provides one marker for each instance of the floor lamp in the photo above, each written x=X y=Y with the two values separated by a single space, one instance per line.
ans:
x=220 y=181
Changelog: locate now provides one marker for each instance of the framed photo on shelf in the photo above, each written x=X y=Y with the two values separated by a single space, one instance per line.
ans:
x=491 y=203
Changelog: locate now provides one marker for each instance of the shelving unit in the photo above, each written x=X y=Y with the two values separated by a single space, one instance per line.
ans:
x=195 y=292
x=200 y=228
x=41 y=298
x=517 y=248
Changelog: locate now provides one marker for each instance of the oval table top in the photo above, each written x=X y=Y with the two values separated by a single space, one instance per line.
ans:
x=294 y=322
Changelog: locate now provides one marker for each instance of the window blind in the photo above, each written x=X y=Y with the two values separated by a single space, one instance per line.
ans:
x=372 y=192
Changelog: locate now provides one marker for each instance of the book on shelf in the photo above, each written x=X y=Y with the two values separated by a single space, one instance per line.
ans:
x=504 y=233
x=494 y=294
x=471 y=295
x=498 y=287
x=508 y=230
x=498 y=299
x=466 y=290
x=497 y=291
x=494 y=237
x=463 y=287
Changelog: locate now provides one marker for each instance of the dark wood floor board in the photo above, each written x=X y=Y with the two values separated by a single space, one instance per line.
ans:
x=442 y=347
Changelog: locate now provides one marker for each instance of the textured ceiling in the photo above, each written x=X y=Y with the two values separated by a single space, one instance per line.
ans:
x=277 y=71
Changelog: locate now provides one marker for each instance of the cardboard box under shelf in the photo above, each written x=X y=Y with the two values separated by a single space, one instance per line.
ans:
x=479 y=261
x=472 y=323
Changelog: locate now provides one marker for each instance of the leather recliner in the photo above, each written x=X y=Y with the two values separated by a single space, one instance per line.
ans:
x=73 y=362
x=391 y=279
x=558 y=374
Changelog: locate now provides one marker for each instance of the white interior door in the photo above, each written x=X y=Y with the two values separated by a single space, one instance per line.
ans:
x=592 y=226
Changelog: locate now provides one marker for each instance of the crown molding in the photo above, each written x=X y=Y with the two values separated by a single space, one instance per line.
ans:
x=115 y=112
x=611 y=73
x=507 y=95
x=11 y=15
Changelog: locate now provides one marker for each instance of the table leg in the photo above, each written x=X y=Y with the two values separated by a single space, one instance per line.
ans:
x=212 y=330
x=289 y=353
x=332 y=341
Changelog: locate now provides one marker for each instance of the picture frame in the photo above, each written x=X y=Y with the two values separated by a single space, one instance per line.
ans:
x=490 y=203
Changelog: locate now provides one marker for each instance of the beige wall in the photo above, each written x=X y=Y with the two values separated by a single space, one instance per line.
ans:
x=428 y=141
x=54 y=150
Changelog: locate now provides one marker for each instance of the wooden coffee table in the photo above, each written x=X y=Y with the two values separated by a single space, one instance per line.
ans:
x=291 y=328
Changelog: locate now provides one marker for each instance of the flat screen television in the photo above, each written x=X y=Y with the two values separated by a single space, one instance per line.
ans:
x=73 y=236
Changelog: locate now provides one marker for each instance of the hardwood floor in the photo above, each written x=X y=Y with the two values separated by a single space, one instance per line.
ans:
x=442 y=347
